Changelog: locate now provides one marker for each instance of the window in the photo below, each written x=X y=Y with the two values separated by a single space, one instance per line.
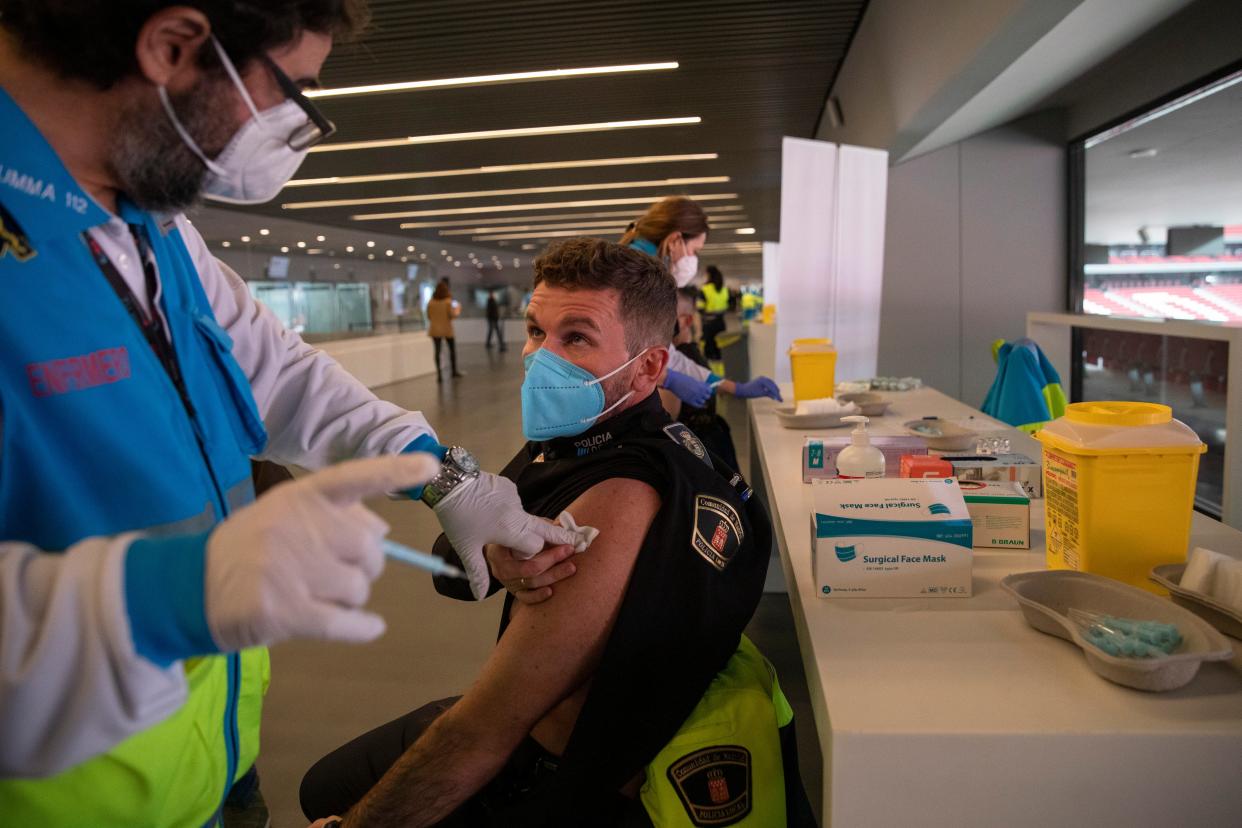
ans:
x=1157 y=209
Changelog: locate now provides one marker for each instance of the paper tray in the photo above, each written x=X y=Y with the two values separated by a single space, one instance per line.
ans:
x=1223 y=618
x=791 y=420
x=870 y=405
x=1045 y=598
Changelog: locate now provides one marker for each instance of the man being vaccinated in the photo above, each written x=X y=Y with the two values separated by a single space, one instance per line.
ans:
x=630 y=696
x=138 y=583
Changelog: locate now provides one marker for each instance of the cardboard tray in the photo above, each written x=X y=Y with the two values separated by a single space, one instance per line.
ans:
x=870 y=405
x=1046 y=597
x=791 y=420
x=1223 y=618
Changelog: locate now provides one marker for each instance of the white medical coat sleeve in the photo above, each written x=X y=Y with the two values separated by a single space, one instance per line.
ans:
x=315 y=411
x=72 y=685
x=682 y=364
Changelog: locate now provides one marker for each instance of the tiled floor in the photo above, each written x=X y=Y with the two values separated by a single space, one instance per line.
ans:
x=324 y=694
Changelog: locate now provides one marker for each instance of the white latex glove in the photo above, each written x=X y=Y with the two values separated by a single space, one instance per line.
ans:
x=299 y=561
x=488 y=510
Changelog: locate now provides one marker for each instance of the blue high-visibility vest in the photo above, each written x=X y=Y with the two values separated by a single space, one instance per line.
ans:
x=95 y=440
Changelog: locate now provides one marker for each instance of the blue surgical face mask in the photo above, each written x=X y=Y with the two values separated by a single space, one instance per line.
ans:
x=559 y=399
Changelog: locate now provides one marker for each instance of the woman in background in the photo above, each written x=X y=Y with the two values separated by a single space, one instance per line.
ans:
x=674 y=230
x=441 y=311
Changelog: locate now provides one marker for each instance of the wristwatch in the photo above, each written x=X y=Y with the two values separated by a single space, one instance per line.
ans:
x=458 y=467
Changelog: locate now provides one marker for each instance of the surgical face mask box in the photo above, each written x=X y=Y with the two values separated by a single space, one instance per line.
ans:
x=1000 y=514
x=1000 y=468
x=924 y=465
x=819 y=454
x=891 y=538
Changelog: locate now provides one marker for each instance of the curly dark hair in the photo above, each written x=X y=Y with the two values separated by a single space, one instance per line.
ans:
x=93 y=40
x=648 y=294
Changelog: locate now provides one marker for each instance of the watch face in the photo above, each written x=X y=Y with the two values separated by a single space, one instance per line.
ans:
x=463 y=459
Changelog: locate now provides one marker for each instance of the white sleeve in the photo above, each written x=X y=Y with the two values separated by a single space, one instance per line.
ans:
x=679 y=362
x=315 y=411
x=71 y=683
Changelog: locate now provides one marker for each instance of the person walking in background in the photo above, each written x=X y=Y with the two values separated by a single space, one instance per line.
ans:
x=713 y=305
x=441 y=311
x=493 y=322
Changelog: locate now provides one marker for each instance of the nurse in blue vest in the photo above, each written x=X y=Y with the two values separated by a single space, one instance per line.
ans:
x=139 y=583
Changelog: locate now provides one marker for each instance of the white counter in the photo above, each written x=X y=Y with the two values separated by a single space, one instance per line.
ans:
x=384 y=359
x=955 y=712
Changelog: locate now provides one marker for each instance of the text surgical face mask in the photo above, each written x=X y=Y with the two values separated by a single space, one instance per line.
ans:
x=257 y=162
x=559 y=399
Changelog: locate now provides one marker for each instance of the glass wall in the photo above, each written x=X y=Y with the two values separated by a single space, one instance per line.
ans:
x=1190 y=375
x=318 y=308
x=1159 y=210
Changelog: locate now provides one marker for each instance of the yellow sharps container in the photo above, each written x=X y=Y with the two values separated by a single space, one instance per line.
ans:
x=1119 y=489
x=814 y=366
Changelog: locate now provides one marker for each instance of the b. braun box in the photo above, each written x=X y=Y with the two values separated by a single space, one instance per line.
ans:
x=891 y=538
x=819 y=454
x=1000 y=513
x=1000 y=468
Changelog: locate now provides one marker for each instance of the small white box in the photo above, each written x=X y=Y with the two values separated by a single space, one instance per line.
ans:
x=891 y=538
x=1000 y=468
x=1000 y=513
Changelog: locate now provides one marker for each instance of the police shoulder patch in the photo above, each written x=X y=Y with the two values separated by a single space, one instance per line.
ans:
x=678 y=433
x=714 y=784
x=718 y=532
x=13 y=242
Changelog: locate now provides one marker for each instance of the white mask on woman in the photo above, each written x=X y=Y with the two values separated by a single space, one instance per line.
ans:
x=685 y=269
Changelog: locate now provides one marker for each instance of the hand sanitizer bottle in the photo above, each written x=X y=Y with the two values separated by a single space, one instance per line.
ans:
x=860 y=459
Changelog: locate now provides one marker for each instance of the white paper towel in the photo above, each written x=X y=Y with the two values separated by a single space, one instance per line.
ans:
x=1215 y=575
x=825 y=405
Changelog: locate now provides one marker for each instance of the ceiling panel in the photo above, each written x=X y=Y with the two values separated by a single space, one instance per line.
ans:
x=752 y=71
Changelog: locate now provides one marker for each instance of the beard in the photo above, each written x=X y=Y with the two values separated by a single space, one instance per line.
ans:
x=614 y=389
x=150 y=162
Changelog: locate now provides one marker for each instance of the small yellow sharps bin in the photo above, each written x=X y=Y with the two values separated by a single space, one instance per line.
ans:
x=1119 y=489
x=813 y=363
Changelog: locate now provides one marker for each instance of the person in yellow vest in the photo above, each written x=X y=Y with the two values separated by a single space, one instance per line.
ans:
x=713 y=305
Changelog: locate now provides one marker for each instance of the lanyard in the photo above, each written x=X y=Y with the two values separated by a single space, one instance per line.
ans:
x=151 y=324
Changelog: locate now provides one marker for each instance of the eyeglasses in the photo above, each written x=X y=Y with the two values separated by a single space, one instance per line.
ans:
x=317 y=127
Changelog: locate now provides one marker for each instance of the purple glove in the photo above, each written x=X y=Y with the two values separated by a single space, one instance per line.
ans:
x=758 y=387
x=688 y=389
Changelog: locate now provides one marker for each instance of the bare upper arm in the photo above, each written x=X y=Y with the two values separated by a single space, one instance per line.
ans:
x=549 y=649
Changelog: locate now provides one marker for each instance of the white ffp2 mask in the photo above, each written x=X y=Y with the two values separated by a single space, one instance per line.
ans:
x=685 y=269
x=257 y=162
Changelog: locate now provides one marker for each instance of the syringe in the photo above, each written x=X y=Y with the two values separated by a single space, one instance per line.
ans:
x=430 y=563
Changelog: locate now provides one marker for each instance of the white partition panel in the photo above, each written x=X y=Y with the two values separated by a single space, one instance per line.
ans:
x=831 y=259
x=862 y=190
x=771 y=271
x=808 y=205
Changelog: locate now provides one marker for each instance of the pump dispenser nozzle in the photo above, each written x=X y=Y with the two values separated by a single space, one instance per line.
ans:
x=860 y=458
x=859 y=435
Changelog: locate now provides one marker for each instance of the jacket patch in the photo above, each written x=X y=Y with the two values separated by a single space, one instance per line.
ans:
x=718 y=531
x=678 y=433
x=77 y=373
x=13 y=242
x=714 y=784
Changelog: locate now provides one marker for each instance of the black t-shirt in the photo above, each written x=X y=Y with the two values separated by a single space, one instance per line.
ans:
x=695 y=584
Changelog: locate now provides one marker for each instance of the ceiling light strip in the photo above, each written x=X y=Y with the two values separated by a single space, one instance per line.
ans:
x=629 y=215
x=486 y=80
x=572 y=225
x=520 y=132
x=547 y=205
x=555 y=188
x=551 y=234
x=494 y=169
